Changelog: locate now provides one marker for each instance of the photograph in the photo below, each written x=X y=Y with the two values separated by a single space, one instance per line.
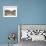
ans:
x=9 y=11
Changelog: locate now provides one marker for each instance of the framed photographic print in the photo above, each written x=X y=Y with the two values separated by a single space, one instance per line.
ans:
x=9 y=11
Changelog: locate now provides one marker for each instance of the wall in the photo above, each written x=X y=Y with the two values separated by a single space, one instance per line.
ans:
x=29 y=12
x=33 y=11
x=7 y=25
